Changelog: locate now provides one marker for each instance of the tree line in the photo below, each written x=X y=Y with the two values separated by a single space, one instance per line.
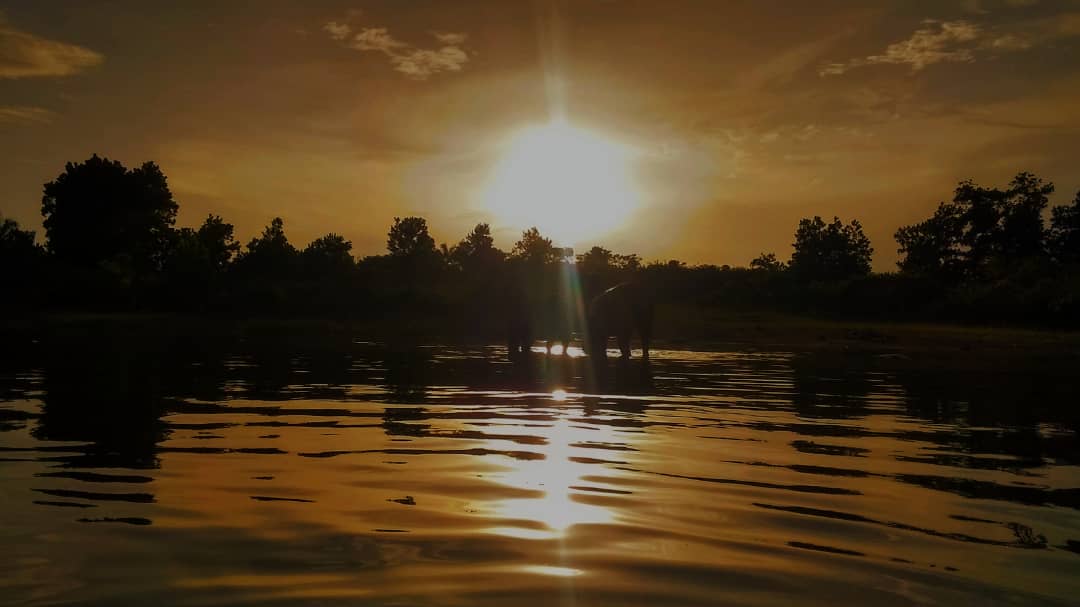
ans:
x=990 y=255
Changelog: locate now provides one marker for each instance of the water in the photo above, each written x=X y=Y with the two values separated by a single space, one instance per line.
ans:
x=355 y=474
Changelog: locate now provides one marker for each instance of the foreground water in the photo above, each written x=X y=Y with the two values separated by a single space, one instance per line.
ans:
x=442 y=476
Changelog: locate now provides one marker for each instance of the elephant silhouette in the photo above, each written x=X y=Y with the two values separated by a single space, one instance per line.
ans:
x=619 y=312
x=537 y=311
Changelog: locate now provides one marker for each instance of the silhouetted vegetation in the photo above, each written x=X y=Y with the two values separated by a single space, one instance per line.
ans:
x=990 y=255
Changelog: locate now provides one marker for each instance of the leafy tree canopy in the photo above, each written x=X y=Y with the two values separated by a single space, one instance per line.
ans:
x=329 y=254
x=830 y=251
x=533 y=248
x=409 y=237
x=1064 y=237
x=980 y=230
x=99 y=211
x=477 y=250
x=767 y=262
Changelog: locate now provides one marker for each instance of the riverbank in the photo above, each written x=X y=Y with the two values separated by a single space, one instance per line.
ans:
x=682 y=326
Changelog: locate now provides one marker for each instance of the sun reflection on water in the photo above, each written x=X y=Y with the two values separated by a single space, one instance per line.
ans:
x=552 y=571
x=557 y=510
x=558 y=350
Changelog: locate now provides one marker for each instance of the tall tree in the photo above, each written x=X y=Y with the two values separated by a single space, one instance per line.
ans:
x=216 y=238
x=99 y=211
x=981 y=230
x=830 y=251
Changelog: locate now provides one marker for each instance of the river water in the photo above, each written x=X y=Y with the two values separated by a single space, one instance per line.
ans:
x=362 y=475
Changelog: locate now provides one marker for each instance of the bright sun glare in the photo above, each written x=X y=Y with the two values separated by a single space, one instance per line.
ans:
x=570 y=183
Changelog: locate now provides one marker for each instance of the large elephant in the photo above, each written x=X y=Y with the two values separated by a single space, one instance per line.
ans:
x=619 y=312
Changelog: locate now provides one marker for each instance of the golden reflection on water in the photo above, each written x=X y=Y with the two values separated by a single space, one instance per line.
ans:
x=708 y=478
x=558 y=350
x=552 y=571
x=555 y=476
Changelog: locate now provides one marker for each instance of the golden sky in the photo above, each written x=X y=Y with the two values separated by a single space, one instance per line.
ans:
x=740 y=116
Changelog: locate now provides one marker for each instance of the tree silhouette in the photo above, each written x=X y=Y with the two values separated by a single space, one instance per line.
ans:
x=933 y=247
x=15 y=244
x=534 y=249
x=270 y=255
x=982 y=230
x=329 y=255
x=100 y=212
x=409 y=237
x=1022 y=232
x=596 y=260
x=20 y=263
x=477 y=252
x=832 y=251
x=198 y=259
x=110 y=243
x=1064 y=237
x=215 y=236
x=629 y=262
x=767 y=262
x=264 y=271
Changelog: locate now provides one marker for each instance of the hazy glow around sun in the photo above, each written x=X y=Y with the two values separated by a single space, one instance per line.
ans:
x=570 y=183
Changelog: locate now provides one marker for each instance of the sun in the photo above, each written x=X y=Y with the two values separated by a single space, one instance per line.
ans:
x=572 y=184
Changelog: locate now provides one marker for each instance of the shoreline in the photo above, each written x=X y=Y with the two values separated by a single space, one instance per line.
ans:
x=708 y=329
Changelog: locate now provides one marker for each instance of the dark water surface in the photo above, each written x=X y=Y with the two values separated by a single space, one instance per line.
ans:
x=358 y=475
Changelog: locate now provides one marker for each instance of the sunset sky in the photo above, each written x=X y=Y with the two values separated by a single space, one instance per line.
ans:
x=725 y=122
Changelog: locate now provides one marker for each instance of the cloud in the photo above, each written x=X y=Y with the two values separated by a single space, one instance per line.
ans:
x=24 y=55
x=936 y=42
x=415 y=62
x=963 y=42
x=337 y=31
x=376 y=39
x=450 y=38
x=23 y=114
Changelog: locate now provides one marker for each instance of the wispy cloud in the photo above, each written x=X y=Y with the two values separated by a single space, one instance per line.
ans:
x=935 y=42
x=24 y=55
x=23 y=114
x=337 y=31
x=961 y=42
x=415 y=62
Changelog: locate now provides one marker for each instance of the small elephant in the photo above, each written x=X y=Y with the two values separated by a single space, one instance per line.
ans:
x=618 y=312
x=536 y=312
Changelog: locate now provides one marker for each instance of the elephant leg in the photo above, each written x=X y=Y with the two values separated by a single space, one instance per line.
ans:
x=624 y=345
x=598 y=347
x=644 y=325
